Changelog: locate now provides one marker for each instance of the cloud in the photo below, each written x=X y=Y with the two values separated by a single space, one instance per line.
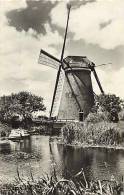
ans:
x=19 y=52
x=11 y=5
x=98 y=29
x=111 y=82
x=34 y=16
x=86 y=21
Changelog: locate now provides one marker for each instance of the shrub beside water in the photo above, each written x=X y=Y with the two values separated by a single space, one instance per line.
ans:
x=101 y=132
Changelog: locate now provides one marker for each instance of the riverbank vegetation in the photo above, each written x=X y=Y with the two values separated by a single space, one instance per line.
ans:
x=16 y=111
x=102 y=133
x=51 y=185
x=101 y=127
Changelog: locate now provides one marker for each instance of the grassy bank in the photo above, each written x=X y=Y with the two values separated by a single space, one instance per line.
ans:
x=51 y=185
x=103 y=134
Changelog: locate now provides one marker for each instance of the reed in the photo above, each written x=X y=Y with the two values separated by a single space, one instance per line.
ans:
x=49 y=185
x=100 y=133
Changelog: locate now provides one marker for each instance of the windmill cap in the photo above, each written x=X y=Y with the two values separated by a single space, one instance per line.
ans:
x=78 y=61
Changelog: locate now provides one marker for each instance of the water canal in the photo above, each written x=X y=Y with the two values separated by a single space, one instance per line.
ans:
x=97 y=162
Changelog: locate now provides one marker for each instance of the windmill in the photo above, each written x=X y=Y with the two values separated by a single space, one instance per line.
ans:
x=73 y=95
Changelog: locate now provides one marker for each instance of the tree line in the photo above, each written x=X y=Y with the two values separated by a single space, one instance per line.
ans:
x=21 y=104
x=25 y=103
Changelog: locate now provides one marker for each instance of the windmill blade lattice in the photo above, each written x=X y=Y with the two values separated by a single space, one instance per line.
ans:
x=48 y=60
x=51 y=61
x=58 y=94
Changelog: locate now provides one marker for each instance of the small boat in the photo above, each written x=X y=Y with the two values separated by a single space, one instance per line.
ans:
x=17 y=134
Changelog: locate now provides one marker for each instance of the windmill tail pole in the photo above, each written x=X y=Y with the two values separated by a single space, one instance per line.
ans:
x=62 y=54
x=97 y=79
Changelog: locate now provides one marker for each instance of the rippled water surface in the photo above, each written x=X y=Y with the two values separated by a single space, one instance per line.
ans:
x=97 y=162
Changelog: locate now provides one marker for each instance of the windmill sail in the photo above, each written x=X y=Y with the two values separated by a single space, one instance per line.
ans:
x=48 y=60
x=61 y=63
x=58 y=94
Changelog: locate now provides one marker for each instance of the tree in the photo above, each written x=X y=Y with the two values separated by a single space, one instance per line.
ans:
x=22 y=103
x=110 y=103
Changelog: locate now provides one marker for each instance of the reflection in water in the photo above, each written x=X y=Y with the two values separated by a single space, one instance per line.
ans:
x=5 y=147
x=97 y=162
x=75 y=159
x=25 y=145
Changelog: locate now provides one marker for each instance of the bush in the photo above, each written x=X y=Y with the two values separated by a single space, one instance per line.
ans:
x=4 y=129
x=97 y=117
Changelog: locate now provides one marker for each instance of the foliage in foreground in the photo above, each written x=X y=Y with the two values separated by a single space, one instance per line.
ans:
x=51 y=185
x=101 y=133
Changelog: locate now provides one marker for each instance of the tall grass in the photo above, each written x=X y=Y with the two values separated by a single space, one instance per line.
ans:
x=50 y=185
x=94 y=131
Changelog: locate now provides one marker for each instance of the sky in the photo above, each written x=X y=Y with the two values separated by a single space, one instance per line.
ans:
x=96 y=30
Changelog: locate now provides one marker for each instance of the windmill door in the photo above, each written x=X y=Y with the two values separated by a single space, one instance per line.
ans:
x=81 y=116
